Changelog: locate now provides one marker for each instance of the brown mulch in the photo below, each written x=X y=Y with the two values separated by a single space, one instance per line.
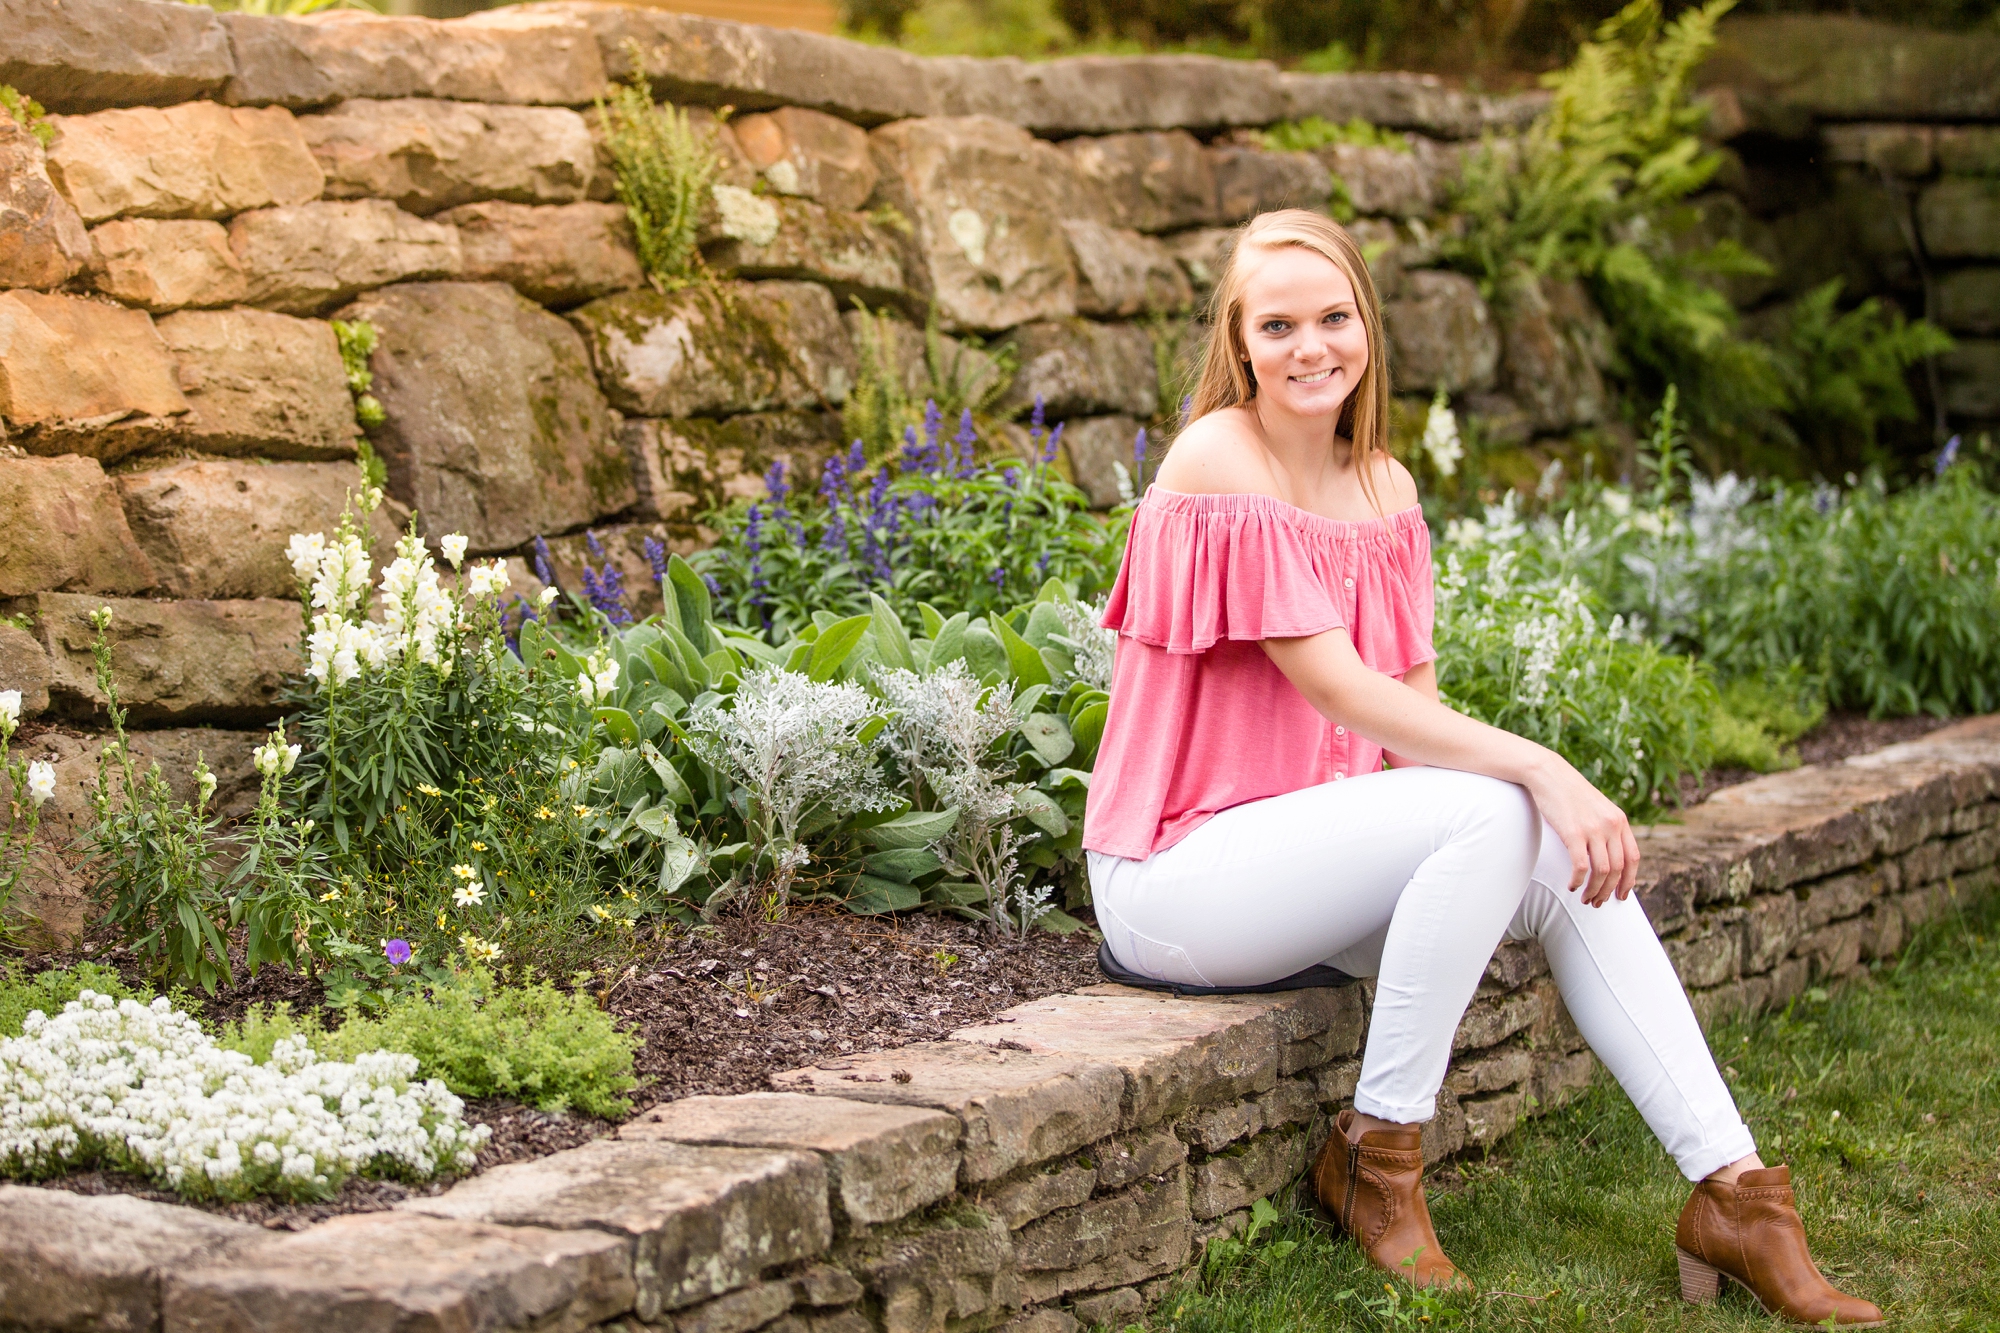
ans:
x=723 y=1011
x=720 y=1010
x=1839 y=736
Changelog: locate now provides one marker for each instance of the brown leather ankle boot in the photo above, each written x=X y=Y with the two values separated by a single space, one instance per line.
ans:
x=1750 y=1232
x=1375 y=1189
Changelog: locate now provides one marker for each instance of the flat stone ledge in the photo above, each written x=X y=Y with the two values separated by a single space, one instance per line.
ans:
x=882 y=1161
x=1075 y=1151
x=699 y=1221
x=1784 y=828
x=384 y=1271
x=1173 y=1053
x=1018 y=1107
x=78 y=1261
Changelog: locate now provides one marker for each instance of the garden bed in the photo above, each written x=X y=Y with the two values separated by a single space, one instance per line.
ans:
x=829 y=985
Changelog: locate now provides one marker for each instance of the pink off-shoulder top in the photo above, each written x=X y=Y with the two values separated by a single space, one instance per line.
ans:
x=1200 y=719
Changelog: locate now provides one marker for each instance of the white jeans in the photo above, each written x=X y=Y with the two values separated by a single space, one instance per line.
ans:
x=1414 y=876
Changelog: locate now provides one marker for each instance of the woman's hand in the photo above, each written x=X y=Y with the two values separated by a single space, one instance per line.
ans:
x=1604 y=856
x=1411 y=724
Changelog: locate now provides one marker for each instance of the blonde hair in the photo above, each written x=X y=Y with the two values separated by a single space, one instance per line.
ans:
x=1225 y=379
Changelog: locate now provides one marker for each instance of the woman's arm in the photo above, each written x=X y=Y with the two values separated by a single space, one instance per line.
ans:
x=1423 y=678
x=1404 y=720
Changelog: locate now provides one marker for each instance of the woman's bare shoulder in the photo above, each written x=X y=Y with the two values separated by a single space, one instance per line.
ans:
x=1394 y=484
x=1218 y=454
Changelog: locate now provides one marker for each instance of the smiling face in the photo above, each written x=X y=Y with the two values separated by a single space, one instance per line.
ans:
x=1303 y=332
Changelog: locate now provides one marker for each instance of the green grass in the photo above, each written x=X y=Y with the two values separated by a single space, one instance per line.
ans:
x=1884 y=1097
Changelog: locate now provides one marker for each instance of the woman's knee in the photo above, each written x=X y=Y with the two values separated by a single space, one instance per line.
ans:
x=1497 y=813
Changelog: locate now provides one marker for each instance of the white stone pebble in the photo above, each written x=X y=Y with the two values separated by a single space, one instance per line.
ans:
x=143 y=1088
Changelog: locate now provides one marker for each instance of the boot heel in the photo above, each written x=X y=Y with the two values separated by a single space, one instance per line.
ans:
x=1701 y=1282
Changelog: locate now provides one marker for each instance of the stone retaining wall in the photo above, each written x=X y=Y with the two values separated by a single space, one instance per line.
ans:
x=217 y=187
x=1052 y=1168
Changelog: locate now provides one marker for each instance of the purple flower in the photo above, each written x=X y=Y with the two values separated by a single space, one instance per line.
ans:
x=398 y=952
x=713 y=584
x=1948 y=455
x=1187 y=405
x=656 y=558
x=545 y=568
x=774 y=482
x=963 y=442
x=998 y=577
x=1055 y=438
x=1036 y=417
x=605 y=587
x=1012 y=477
x=1139 y=459
x=1042 y=567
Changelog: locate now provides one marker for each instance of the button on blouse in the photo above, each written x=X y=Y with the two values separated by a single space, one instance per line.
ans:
x=1200 y=719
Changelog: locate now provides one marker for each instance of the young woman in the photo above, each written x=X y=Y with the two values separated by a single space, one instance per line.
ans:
x=1274 y=613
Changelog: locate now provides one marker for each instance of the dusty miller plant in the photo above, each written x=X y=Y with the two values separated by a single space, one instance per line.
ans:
x=943 y=734
x=803 y=752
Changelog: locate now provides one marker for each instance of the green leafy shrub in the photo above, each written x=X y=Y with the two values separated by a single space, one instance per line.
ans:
x=155 y=861
x=1530 y=648
x=1760 y=716
x=665 y=169
x=1598 y=189
x=1846 y=372
x=1302 y=136
x=26 y=112
x=48 y=991
x=523 y=1039
x=1893 y=598
x=358 y=340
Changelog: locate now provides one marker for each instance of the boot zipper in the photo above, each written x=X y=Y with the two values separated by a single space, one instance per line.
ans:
x=1347 y=1205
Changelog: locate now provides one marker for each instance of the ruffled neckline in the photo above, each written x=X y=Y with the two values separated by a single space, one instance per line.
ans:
x=1234 y=502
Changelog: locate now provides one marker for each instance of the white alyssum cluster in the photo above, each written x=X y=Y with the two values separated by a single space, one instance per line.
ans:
x=142 y=1087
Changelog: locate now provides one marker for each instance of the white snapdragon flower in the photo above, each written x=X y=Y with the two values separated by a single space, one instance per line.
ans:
x=416 y=611
x=487 y=580
x=204 y=781
x=1441 y=440
x=304 y=552
x=10 y=711
x=274 y=758
x=41 y=780
x=548 y=595
x=342 y=579
x=598 y=680
x=453 y=545
x=1464 y=532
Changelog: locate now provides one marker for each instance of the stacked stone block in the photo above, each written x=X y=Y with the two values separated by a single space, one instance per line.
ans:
x=1056 y=1167
x=218 y=188
x=1870 y=153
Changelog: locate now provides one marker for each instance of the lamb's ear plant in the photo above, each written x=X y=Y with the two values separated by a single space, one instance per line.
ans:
x=156 y=860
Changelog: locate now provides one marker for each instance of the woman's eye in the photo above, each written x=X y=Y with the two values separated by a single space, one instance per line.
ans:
x=1275 y=326
x=1337 y=317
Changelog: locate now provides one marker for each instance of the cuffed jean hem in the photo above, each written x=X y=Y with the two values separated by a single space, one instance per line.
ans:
x=1412 y=1114
x=1699 y=1164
